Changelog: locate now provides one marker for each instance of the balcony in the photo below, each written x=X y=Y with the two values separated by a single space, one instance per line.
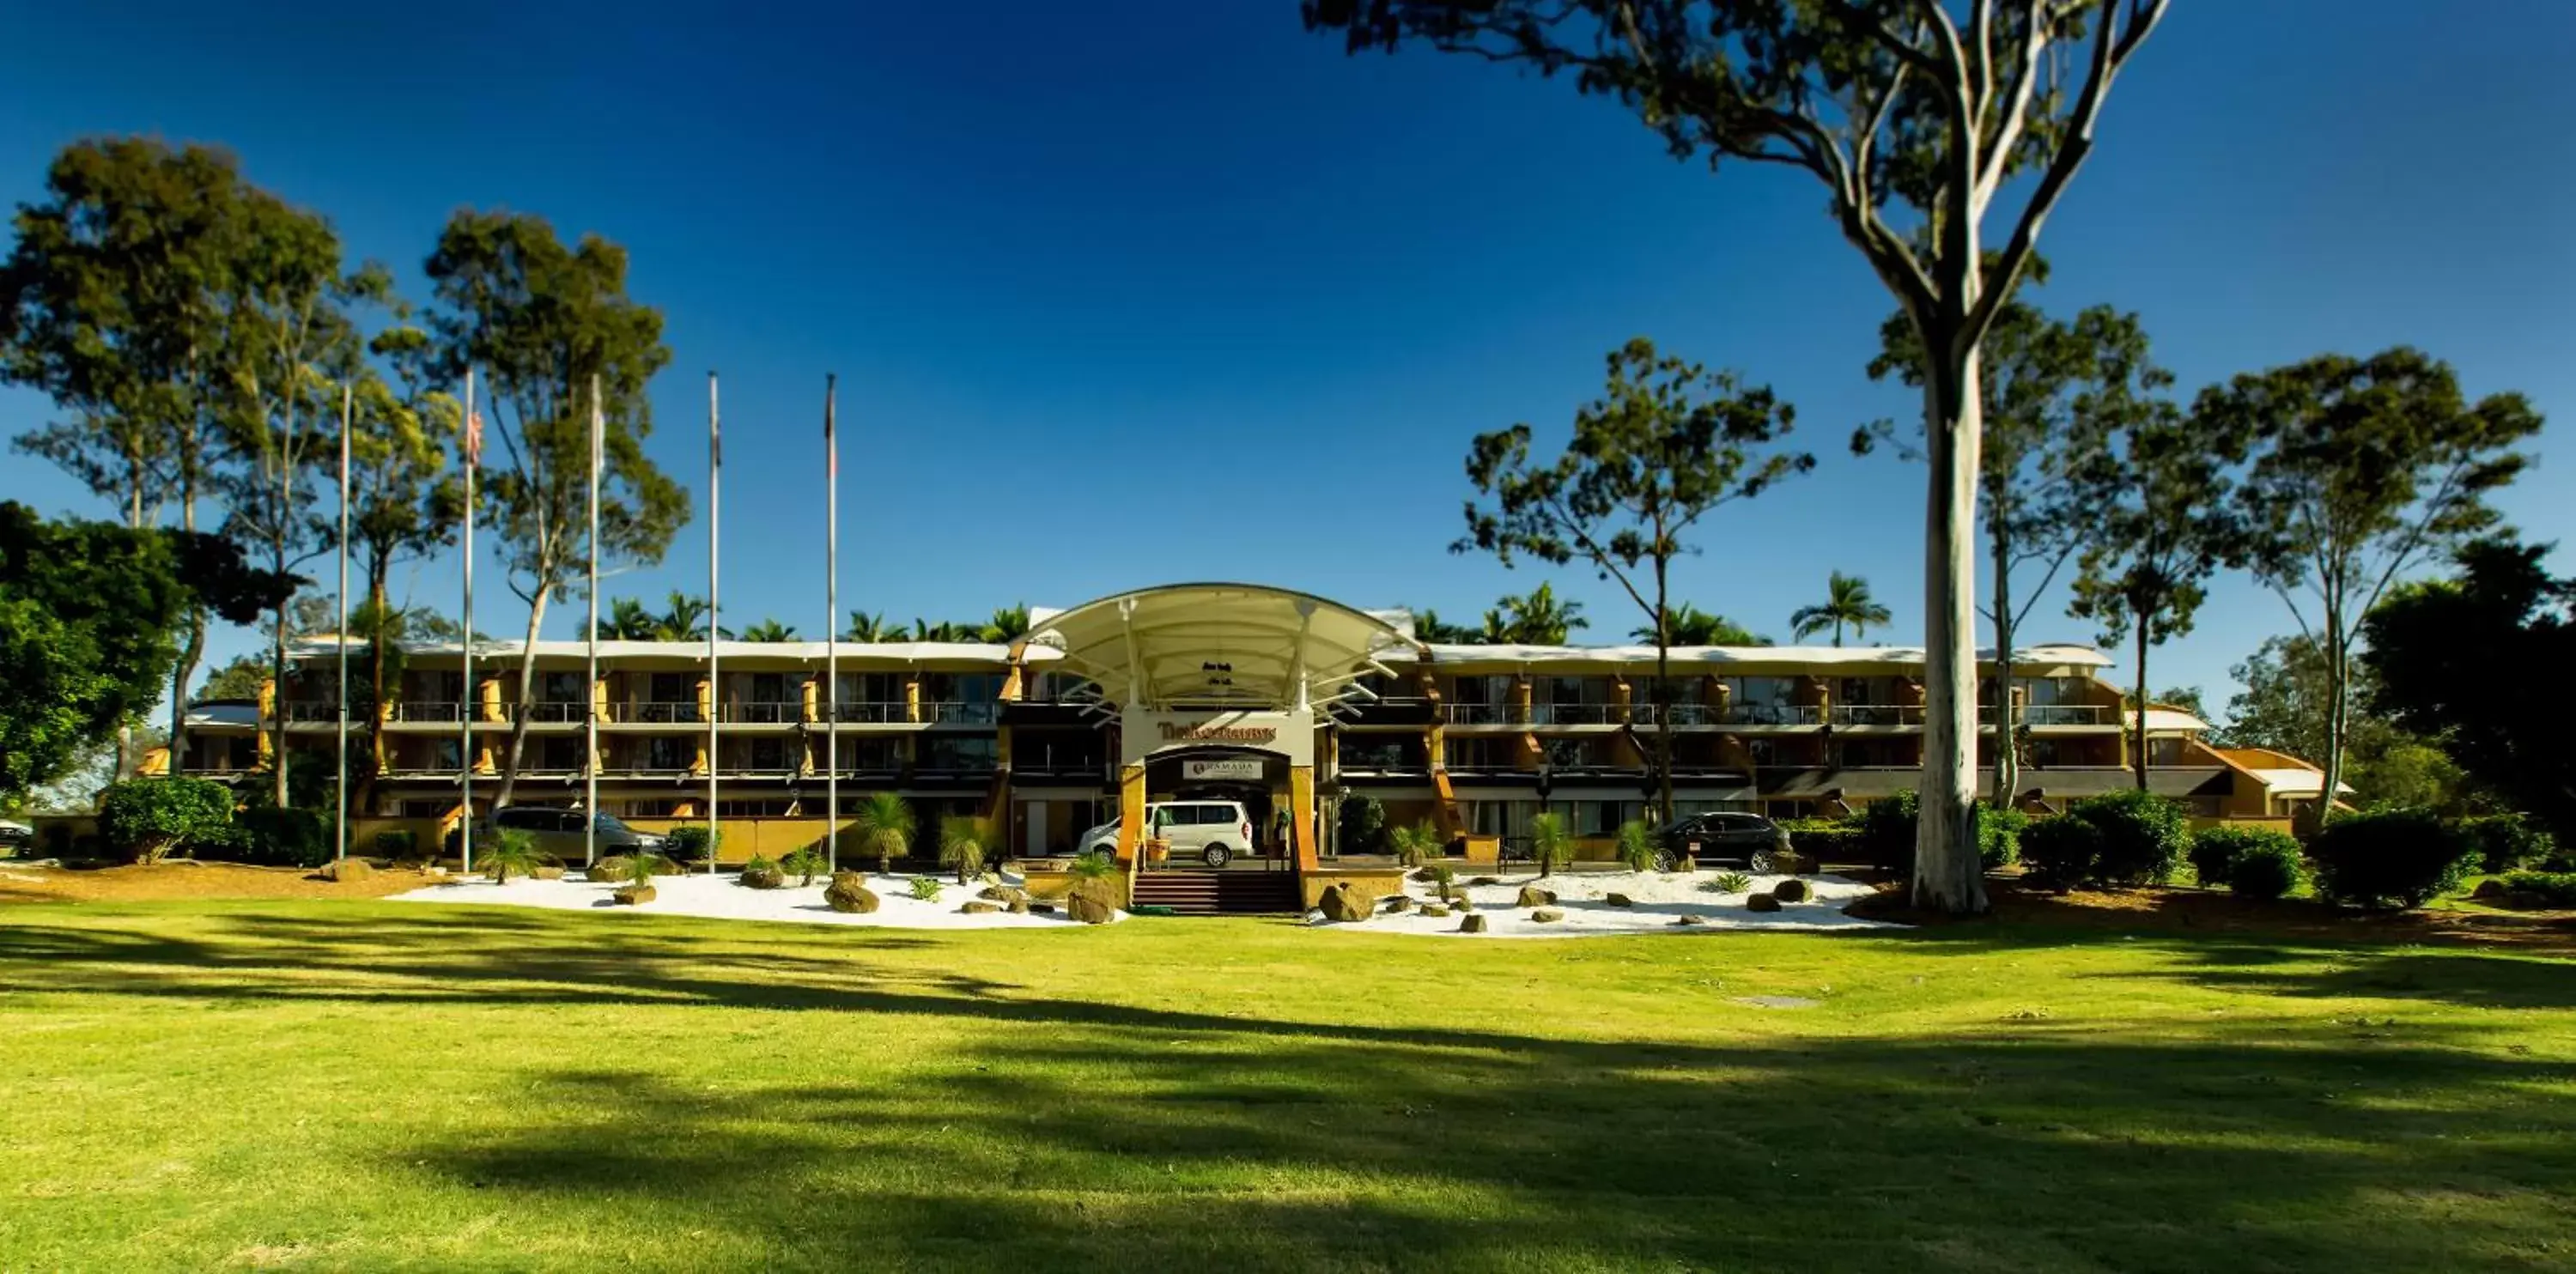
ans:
x=1577 y=714
x=307 y=710
x=1776 y=714
x=680 y=713
x=2054 y=714
x=428 y=712
x=551 y=711
x=764 y=713
x=1683 y=714
x=872 y=713
x=952 y=712
x=1476 y=713
x=1890 y=714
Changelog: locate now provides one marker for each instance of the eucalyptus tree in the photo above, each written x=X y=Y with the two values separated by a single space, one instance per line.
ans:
x=1918 y=116
x=1668 y=443
x=543 y=323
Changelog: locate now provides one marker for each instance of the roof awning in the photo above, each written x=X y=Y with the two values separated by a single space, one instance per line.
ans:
x=1230 y=645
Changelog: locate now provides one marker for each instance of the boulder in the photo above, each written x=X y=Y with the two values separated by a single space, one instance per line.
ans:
x=1020 y=906
x=1546 y=916
x=534 y=873
x=1619 y=900
x=610 y=869
x=1533 y=896
x=849 y=893
x=1473 y=923
x=634 y=895
x=979 y=908
x=1761 y=902
x=1002 y=893
x=1094 y=902
x=1398 y=904
x=1690 y=920
x=346 y=870
x=1343 y=904
x=764 y=878
x=1435 y=911
x=1792 y=891
x=1425 y=874
x=1486 y=880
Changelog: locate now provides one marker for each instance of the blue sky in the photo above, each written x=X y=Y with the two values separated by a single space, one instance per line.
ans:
x=1129 y=293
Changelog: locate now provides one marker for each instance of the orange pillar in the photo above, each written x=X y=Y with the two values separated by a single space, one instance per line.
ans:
x=1131 y=813
x=1301 y=798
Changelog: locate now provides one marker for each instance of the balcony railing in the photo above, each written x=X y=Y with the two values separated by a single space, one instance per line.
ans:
x=1683 y=714
x=1576 y=714
x=1877 y=714
x=552 y=710
x=2053 y=714
x=871 y=713
x=951 y=712
x=1476 y=713
x=681 y=713
x=308 y=710
x=428 y=711
x=1775 y=714
x=764 y=713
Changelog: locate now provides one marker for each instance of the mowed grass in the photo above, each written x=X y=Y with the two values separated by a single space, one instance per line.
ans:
x=350 y=1085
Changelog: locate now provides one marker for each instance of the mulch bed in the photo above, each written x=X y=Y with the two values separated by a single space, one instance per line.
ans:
x=187 y=880
x=2185 y=911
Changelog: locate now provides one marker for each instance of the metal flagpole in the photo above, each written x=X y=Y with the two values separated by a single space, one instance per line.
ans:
x=590 y=693
x=341 y=829
x=473 y=702
x=715 y=683
x=831 y=632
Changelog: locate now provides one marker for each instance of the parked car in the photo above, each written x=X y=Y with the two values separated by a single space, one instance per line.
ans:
x=1723 y=837
x=559 y=832
x=1213 y=830
x=16 y=838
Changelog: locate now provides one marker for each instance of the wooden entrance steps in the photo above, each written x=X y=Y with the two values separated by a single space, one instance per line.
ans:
x=1221 y=893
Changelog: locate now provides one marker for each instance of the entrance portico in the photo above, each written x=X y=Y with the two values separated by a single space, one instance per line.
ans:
x=1218 y=669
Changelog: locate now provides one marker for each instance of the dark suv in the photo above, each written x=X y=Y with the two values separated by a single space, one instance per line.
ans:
x=1725 y=837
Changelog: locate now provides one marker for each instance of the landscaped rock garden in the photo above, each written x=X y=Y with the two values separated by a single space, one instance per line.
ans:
x=848 y=898
x=1577 y=903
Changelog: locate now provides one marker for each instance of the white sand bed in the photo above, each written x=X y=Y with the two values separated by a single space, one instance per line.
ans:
x=722 y=897
x=1661 y=899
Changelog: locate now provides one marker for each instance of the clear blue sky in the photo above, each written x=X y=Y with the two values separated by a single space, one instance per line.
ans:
x=1130 y=293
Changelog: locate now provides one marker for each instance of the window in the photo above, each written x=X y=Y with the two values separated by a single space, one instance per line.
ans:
x=2164 y=751
x=1381 y=752
x=1473 y=753
x=562 y=687
x=960 y=752
x=1763 y=751
x=1604 y=818
x=670 y=754
x=1763 y=700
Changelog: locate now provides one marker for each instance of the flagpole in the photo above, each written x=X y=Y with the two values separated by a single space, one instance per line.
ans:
x=715 y=683
x=473 y=702
x=831 y=631
x=340 y=830
x=590 y=694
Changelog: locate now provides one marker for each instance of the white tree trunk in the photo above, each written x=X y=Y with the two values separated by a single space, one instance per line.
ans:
x=1948 y=876
x=2007 y=788
x=527 y=696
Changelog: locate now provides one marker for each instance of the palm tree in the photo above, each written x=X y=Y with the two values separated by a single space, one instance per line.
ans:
x=1534 y=619
x=968 y=842
x=684 y=620
x=1007 y=624
x=1847 y=602
x=867 y=627
x=511 y=850
x=884 y=824
x=628 y=621
x=1428 y=627
x=769 y=630
x=1550 y=844
x=1416 y=846
x=1691 y=626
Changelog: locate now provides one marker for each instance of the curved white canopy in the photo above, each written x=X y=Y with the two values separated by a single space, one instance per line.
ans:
x=1231 y=645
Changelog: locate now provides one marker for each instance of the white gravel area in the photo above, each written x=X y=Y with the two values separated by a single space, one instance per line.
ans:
x=1660 y=900
x=721 y=897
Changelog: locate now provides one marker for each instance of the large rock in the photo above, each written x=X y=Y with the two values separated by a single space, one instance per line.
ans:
x=346 y=870
x=1546 y=916
x=1473 y=923
x=1094 y=902
x=979 y=908
x=612 y=869
x=1792 y=891
x=1761 y=902
x=1619 y=900
x=1343 y=904
x=764 y=878
x=634 y=895
x=1533 y=896
x=849 y=893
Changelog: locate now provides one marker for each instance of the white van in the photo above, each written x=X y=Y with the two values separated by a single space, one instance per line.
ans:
x=1214 y=830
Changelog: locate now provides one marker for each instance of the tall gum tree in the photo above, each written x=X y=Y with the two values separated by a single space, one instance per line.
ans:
x=540 y=321
x=1665 y=445
x=1918 y=116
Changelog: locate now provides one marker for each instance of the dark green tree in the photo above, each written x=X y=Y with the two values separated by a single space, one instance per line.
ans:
x=89 y=620
x=1688 y=625
x=1535 y=618
x=769 y=630
x=405 y=502
x=2508 y=618
x=1429 y=627
x=1899 y=103
x=2362 y=470
x=1668 y=443
x=543 y=324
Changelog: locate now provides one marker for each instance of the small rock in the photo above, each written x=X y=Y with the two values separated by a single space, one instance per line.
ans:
x=1435 y=911
x=1020 y=906
x=1002 y=893
x=979 y=908
x=1792 y=891
x=539 y=873
x=1398 y=904
x=346 y=870
x=1473 y=923
x=2489 y=888
x=634 y=895
x=1533 y=896
x=1546 y=916
x=1425 y=874
x=1619 y=900
x=1486 y=880
x=1041 y=908
x=1094 y=902
x=1761 y=902
x=1690 y=920
x=764 y=878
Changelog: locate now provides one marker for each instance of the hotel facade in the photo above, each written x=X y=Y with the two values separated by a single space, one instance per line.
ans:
x=1290 y=703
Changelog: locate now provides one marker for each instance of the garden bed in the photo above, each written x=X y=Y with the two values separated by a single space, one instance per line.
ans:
x=724 y=897
x=1658 y=903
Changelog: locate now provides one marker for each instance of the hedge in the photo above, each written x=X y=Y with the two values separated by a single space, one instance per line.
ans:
x=2557 y=888
x=2507 y=842
x=272 y=837
x=2214 y=850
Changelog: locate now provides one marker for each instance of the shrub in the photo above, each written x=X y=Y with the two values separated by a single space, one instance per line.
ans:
x=1637 y=846
x=642 y=868
x=271 y=837
x=2061 y=852
x=1362 y=825
x=1445 y=879
x=1883 y=831
x=2266 y=866
x=1999 y=836
x=396 y=843
x=513 y=850
x=1550 y=846
x=1732 y=882
x=2144 y=837
x=1417 y=845
x=691 y=843
x=2556 y=888
x=146 y=819
x=2214 y=850
x=2507 y=842
x=805 y=864
x=1820 y=839
x=760 y=873
x=2404 y=856
x=1092 y=866
x=925 y=888
x=885 y=826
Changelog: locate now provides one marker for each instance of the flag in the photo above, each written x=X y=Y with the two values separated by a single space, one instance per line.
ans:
x=474 y=438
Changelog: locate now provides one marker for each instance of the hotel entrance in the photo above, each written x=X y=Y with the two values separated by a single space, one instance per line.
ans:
x=1256 y=781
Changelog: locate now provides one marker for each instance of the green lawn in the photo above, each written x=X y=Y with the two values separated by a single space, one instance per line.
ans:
x=372 y=1085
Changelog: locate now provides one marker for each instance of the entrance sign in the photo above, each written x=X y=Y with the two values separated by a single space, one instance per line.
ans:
x=1244 y=769
x=1146 y=732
